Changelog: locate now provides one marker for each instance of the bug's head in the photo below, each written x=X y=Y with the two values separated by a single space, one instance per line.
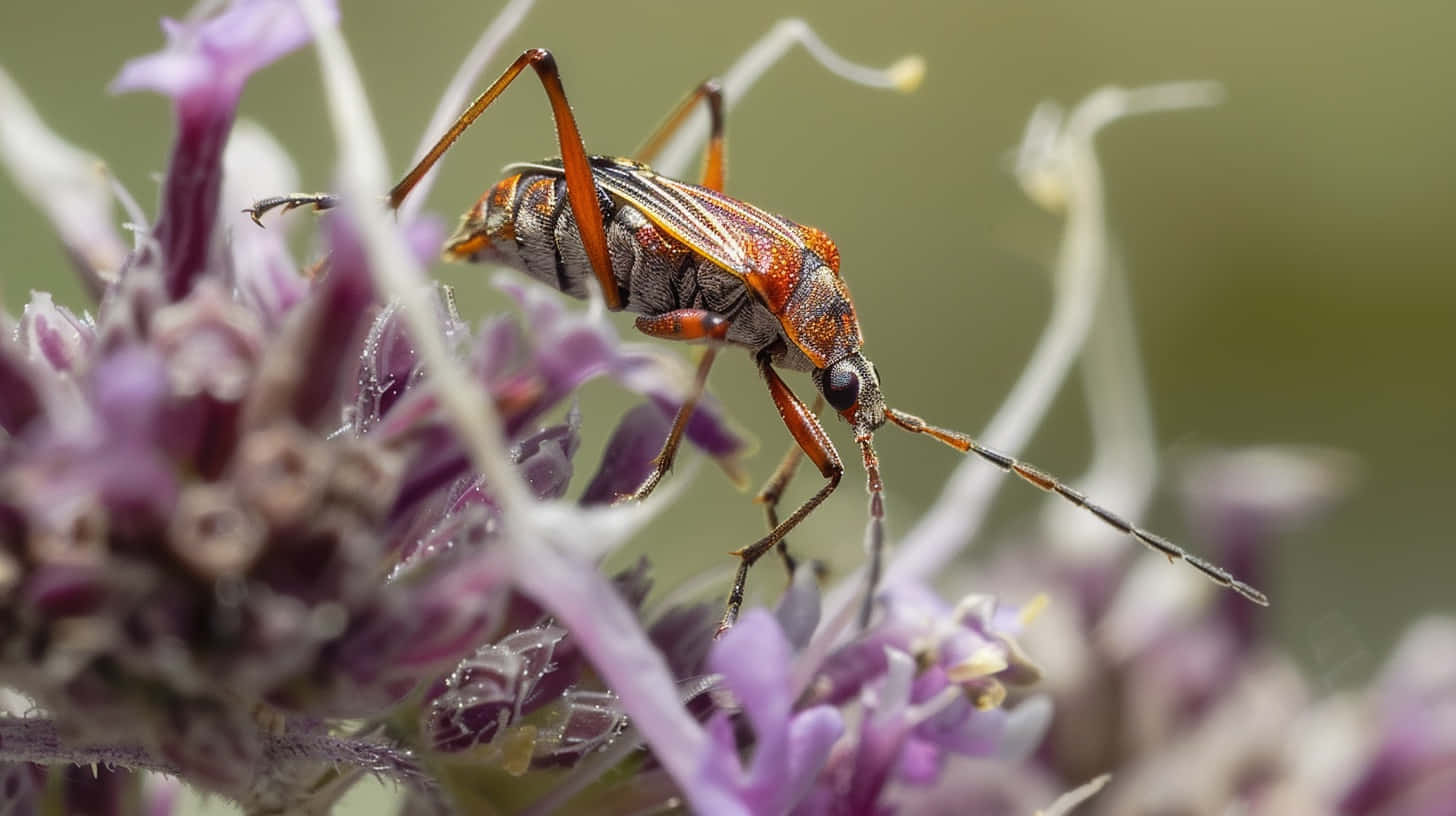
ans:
x=851 y=386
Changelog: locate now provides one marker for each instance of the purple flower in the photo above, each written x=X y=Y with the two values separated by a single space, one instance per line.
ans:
x=971 y=645
x=789 y=747
x=250 y=539
x=55 y=334
x=189 y=537
x=930 y=681
x=236 y=513
x=1409 y=764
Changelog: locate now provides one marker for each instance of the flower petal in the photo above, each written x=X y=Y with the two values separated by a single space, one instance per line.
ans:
x=20 y=389
x=264 y=273
x=573 y=347
x=218 y=54
x=789 y=749
x=629 y=455
x=545 y=457
x=66 y=183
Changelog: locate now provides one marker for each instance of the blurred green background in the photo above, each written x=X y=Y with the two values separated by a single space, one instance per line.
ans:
x=1290 y=252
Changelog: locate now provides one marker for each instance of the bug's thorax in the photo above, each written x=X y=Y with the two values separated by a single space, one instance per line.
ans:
x=816 y=309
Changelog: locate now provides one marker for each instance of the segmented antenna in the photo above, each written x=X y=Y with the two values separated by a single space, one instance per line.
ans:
x=1052 y=484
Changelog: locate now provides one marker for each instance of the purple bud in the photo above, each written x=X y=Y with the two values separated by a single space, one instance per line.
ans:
x=66 y=591
x=54 y=334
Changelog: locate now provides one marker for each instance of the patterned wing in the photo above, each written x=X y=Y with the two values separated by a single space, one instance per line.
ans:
x=738 y=237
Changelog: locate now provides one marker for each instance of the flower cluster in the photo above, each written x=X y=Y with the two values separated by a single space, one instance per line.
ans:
x=244 y=544
x=1192 y=707
x=247 y=541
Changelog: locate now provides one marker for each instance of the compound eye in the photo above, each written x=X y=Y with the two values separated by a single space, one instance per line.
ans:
x=841 y=386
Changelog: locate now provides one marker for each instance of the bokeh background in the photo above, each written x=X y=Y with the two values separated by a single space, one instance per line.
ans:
x=1290 y=252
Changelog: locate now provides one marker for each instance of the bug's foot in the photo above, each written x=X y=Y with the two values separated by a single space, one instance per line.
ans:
x=318 y=201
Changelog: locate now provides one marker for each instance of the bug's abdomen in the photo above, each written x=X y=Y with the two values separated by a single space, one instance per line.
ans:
x=526 y=222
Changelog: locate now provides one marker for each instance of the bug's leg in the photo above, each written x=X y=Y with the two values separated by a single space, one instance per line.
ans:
x=774 y=488
x=688 y=324
x=681 y=324
x=815 y=444
x=711 y=91
x=263 y=206
x=581 y=190
x=876 y=540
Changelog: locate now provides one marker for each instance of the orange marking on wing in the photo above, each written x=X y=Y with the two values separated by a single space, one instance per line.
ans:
x=504 y=192
x=465 y=248
x=765 y=251
x=651 y=239
x=777 y=275
x=820 y=244
x=541 y=196
x=759 y=248
x=820 y=319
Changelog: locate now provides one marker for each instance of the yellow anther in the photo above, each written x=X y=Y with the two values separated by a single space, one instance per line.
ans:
x=907 y=74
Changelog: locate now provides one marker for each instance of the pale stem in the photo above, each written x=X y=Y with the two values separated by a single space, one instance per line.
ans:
x=1067 y=174
x=362 y=174
x=1124 y=468
x=904 y=75
x=1069 y=801
x=544 y=564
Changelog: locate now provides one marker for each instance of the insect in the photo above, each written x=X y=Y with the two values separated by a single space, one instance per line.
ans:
x=697 y=265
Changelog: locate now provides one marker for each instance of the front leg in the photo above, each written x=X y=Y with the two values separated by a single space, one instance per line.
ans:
x=319 y=202
x=774 y=488
x=804 y=426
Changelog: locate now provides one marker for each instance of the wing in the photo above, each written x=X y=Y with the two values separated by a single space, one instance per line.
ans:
x=736 y=236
